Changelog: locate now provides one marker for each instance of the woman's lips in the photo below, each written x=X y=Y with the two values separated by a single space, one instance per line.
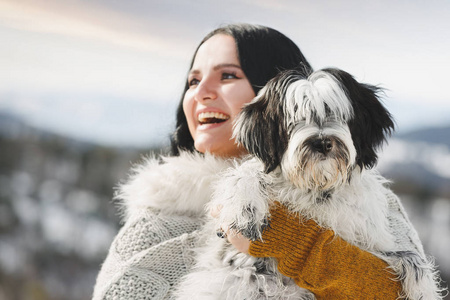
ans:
x=212 y=117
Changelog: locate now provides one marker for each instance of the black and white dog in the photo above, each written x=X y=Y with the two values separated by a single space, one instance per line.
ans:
x=313 y=141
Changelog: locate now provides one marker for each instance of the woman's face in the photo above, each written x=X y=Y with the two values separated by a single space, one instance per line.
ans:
x=217 y=91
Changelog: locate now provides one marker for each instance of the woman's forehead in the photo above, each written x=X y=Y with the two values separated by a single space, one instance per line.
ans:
x=219 y=50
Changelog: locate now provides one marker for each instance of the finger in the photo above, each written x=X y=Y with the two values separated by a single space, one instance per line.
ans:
x=241 y=243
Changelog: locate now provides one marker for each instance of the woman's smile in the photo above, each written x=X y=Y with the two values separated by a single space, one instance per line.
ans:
x=212 y=118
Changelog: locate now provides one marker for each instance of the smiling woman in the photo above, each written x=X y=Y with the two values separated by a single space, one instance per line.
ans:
x=218 y=88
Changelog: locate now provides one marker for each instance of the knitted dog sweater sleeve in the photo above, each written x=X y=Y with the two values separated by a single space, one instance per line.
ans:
x=322 y=262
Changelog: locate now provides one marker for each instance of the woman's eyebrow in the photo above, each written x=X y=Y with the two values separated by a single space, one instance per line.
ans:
x=220 y=66
x=217 y=67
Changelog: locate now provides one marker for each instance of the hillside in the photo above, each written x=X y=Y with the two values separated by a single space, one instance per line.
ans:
x=439 y=135
x=57 y=218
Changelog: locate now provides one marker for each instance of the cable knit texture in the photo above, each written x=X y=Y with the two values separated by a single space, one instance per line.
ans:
x=321 y=262
x=148 y=257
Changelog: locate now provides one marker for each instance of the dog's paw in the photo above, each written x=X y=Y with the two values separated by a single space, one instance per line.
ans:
x=243 y=195
x=254 y=230
x=250 y=223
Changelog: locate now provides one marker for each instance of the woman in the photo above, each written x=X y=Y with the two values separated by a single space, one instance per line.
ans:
x=153 y=249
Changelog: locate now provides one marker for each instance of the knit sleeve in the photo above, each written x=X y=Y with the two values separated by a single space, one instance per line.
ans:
x=148 y=257
x=322 y=262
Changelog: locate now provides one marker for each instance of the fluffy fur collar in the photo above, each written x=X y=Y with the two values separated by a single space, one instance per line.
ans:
x=175 y=185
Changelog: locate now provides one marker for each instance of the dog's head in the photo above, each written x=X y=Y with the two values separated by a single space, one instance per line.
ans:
x=317 y=128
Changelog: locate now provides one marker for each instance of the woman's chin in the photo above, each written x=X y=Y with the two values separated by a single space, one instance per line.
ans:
x=224 y=151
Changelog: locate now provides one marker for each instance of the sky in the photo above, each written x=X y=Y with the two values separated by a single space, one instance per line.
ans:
x=112 y=71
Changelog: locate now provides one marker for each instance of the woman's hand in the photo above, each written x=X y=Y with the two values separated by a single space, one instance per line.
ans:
x=241 y=243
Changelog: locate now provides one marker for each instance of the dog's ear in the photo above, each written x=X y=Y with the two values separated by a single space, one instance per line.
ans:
x=371 y=123
x=260 y=126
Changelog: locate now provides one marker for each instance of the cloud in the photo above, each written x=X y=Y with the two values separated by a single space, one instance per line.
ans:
x=85 y=20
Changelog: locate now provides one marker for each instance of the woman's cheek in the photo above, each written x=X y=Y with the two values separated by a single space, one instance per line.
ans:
x=188 y=109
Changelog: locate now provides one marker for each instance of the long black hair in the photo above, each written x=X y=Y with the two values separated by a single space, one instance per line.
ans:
x=262 y=51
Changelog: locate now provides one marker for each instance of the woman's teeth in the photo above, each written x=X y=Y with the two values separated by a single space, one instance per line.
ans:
x=212 y=117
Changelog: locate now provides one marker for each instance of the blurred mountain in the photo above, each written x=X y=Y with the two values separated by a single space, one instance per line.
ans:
x=436 y=135
x=419 y=162
x=57 y=218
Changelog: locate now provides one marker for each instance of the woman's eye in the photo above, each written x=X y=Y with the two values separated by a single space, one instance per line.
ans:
x=229 y=76
x=193 y=81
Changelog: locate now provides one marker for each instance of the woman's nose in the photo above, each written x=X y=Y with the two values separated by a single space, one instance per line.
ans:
x=205 y=91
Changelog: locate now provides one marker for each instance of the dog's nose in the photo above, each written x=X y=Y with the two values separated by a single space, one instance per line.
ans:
x=323 y=145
